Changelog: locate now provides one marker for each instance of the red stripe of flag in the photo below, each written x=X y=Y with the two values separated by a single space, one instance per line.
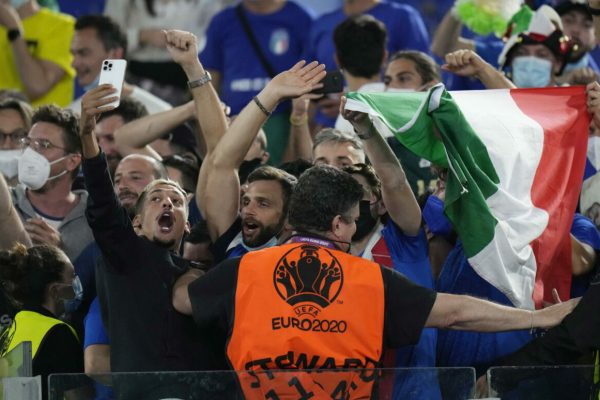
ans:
x=563 y=115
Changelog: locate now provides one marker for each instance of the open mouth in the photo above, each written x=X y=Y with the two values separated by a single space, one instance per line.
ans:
x=166 y=221
x=250 y=227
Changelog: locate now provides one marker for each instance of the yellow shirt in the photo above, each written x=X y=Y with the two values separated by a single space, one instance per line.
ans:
x=48 y=35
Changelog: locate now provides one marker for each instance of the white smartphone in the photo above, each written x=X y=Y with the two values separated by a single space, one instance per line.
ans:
x=113 y=72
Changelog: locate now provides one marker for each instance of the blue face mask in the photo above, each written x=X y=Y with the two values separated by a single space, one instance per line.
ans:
x=270 y=243
x=436 y=220
x=71 y=305
x=92 y=84
x=531 y=72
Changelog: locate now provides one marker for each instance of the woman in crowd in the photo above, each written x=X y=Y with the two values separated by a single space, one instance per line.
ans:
x=41 y=281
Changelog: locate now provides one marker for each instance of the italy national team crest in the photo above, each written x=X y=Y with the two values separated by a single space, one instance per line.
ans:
x=279 y=42
x=308 y=277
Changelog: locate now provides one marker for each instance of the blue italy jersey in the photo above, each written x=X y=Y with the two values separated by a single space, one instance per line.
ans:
x=586 y=232
x=406 y=31
x=463 y=348
x=409 y=256
x=282 y=37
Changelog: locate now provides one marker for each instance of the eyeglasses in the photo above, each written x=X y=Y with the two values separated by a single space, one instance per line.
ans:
x=13 y=137
x=38 y=144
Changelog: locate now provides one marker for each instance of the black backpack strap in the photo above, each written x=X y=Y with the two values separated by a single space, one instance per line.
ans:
x=263 y=60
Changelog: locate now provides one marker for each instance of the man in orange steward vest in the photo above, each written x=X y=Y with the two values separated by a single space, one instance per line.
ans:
x=308 y=304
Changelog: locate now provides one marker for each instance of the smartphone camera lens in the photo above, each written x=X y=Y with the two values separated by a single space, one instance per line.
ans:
x=104 y=68
x=105 y=62
x=110 y=65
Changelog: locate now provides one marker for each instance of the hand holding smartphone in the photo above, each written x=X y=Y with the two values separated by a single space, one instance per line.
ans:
x=333 y=82
x=113 y=72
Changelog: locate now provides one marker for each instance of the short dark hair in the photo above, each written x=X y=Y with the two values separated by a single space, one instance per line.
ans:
x=367 y=172
x=285 y=180
x=109 y=32
x=426 y=66
x=27 y=272
x=322 y=193
x=360 y=45
x=23 y=108
x=68 y=121
x=189 y=170
x=296 y=167
x=65 y=119
x=129 y=109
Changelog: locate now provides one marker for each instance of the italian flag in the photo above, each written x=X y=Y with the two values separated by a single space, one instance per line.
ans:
x=515 y=160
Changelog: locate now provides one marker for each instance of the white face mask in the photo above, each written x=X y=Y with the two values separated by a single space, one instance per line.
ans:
x=531 y=72
x=593 y=151
x=9 y=162
x=34 y=169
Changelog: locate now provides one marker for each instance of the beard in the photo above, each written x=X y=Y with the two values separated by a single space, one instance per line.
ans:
x=265 y=233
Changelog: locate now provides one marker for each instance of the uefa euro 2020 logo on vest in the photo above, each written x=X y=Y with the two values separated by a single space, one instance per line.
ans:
x=308 y=277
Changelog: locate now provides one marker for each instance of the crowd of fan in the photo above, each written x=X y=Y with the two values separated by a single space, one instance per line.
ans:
x=67 y=235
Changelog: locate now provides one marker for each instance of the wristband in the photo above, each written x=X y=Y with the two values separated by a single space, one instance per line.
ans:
x=200 y=82
x=262 y=108
x=298 y=120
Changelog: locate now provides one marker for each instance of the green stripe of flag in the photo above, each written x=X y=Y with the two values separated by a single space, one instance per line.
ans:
x=411 y=117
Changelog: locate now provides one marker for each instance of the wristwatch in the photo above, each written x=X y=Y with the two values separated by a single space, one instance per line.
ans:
x=13 y=34
x=200 y=82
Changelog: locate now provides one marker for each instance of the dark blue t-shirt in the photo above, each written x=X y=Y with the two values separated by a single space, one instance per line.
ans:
x=409 y=256
x=282 y=37
x=405 y=26
x=406 y=31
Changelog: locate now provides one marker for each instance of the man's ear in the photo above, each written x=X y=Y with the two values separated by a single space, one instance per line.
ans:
x=137 y=222
x=380 y=208
x=336 y=225
x=73 y=161
x=187 y=229
x=384 y=59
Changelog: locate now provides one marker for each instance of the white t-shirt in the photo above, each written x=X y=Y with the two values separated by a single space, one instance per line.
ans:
x=340 y=123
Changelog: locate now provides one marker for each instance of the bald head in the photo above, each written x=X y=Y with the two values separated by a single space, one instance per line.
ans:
x=132 y=175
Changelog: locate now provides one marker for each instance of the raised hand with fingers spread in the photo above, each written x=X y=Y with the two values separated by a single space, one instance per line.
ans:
x=301 y=79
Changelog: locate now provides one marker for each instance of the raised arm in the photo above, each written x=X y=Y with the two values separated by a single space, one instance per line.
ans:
x=108 y=220
x=212 y=120
x=469 y=313
x=469 y=63
x=447 y=39
x=300 y=142
x=221 y=202
x=37 y=75
x=136 y=136
x=11 y=227
x=398 y=197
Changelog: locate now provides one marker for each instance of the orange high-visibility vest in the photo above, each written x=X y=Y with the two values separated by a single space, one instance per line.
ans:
x=302 y=306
